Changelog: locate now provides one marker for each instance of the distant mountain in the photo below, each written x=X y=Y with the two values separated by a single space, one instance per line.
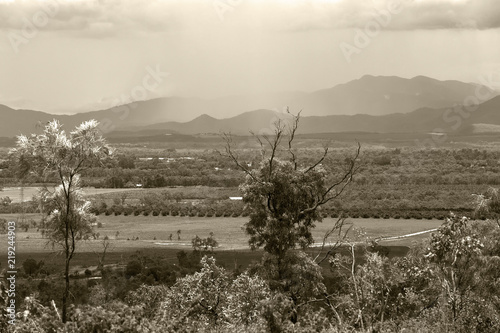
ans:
x=257 y=121
x=369 y=95
x=14 y=122
x=383 y=95
x=424 y=120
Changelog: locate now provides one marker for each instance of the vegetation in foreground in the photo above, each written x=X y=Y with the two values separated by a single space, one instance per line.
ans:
x=449 y=284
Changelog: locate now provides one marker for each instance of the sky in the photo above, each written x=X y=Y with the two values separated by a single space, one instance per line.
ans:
x=67 y=56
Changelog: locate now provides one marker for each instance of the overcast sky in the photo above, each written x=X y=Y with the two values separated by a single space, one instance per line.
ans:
x=63 y=56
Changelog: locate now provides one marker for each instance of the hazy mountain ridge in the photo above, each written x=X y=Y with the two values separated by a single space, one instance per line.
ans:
x=419 y=121
x=388 y=97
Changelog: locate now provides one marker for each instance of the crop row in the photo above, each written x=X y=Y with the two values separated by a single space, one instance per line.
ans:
x=236 y=211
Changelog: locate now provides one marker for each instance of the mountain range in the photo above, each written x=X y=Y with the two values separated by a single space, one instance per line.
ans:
x=371 y=103
x=457 y=119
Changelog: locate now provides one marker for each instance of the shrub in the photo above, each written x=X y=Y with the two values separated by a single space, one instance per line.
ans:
x=133 y=268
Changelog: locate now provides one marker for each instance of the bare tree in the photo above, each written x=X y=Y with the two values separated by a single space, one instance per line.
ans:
x=101 y=256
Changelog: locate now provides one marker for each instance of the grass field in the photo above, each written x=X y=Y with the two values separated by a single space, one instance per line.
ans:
x=229 y=232
x=154 y=232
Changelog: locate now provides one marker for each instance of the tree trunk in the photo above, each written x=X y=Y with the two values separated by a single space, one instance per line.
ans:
x=66 y=289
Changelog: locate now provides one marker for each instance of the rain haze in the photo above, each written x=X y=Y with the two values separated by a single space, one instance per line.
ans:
x=71 y=56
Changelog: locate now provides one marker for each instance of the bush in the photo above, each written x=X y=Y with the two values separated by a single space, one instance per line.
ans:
x=133 y=268
x=118 y=210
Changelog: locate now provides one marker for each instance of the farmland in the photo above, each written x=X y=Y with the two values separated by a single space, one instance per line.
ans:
x=148 y=193
x=150 y=235
x=154 y=231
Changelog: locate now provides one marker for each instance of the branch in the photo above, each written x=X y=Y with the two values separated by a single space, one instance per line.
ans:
x=291 y=135
x=333 y=309
x=274 y=144
x=325 y=153
x=337 y=226
x=343 y=182
x=228 y=139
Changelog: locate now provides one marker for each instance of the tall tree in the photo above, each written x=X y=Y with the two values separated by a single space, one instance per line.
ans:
x=63 y=157
x=284 y=195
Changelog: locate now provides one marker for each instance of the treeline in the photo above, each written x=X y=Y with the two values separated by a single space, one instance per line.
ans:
x=400 y=166
x=229 y=208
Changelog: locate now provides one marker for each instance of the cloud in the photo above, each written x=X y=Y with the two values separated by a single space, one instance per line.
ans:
x=405 y=14
x=90 y=17
x=106 y=17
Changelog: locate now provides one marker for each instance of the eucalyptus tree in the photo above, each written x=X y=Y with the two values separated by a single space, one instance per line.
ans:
x=284 y=195
x=55 y=154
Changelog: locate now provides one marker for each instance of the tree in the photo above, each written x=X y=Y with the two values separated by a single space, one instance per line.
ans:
x=488 y=203
x=284 y=195
x=204 y=244
x=31 y=267
x=105 y=245
x=5 y=201
x=211 y=298
x=55 y=154
x=454 y=249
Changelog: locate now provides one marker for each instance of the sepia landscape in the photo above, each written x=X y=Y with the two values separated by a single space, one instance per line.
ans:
x=250 y=166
